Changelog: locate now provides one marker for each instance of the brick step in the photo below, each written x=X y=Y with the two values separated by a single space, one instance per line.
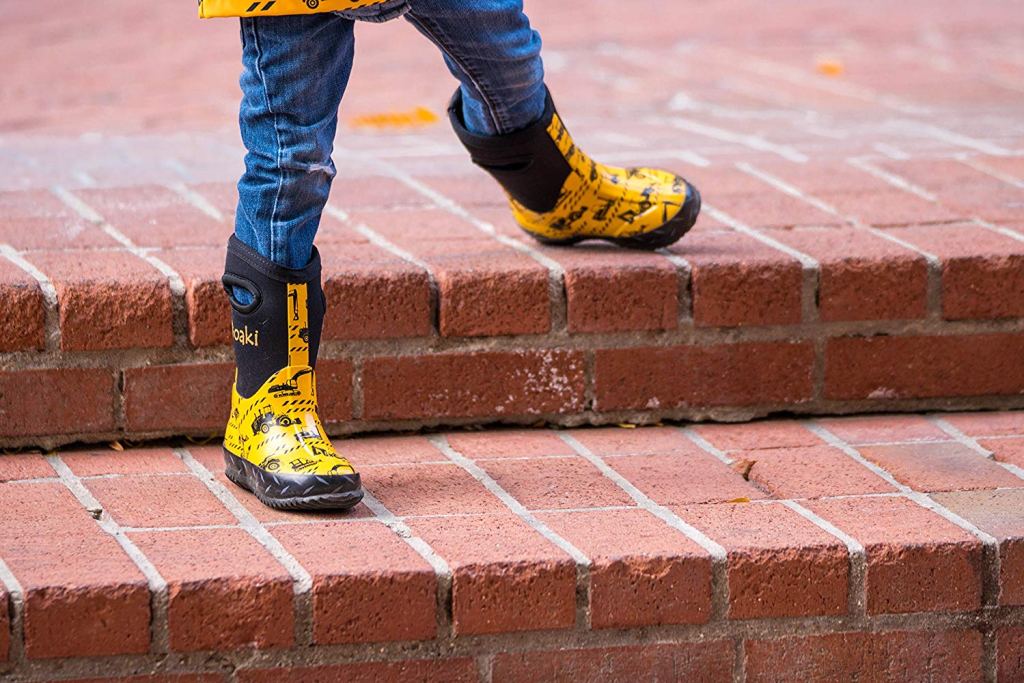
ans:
x=884 y=547
x=818 y=287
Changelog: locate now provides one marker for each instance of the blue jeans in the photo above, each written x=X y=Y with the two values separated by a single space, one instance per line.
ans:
x=295 y=72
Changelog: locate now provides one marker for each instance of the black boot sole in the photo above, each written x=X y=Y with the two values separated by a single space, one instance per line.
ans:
x=668 y=234
x=294 y=492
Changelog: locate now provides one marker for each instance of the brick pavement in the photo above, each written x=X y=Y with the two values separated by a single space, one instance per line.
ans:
x=822 y=549
x=861 y=248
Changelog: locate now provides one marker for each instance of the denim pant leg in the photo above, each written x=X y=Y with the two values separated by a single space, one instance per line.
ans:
x=489 y=46
x=296 y=69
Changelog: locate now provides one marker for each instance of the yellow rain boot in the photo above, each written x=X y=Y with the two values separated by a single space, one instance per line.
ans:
x=561 y=196
x=275 y=445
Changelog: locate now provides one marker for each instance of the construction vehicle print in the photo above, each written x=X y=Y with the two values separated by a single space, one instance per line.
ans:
x=291 y=385
x=304 y=334
x=312 y=4
x=264 y=422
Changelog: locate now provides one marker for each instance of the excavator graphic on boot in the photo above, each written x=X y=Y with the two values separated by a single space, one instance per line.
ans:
x=275 y=445
x=561 y=196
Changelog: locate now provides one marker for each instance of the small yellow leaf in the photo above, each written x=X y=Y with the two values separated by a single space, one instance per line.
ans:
x=830 y=67
x=739 y=500
x=116 y=446
x=627 y=425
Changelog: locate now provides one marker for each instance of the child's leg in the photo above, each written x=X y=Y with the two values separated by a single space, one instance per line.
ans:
x=489 y=46
x=504 y=117
x=295 y=72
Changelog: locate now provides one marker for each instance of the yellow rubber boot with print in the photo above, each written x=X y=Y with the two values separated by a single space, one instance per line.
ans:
x=275 y=445
x=561 y=196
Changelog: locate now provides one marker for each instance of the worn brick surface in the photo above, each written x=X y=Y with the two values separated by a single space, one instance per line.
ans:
x=730 y=374
x=886 y=655
x=505 y=576
x=757 y=435
x=780 y=564
x=96 y=605
x=891 y=367
x=64 y=401
x=17 y=466
x=155 y=500
x=809 y=472
x=982 y=270
x=681 y=478
x=145 y=460
x=373 y=294
x=1000 y=514
x=988 y=424
x=866 y=429
x=368 y=584
x=550 y=483
x=22 y=310
x=903 y=542
x=1009 y=450
x=1010 y=645
x=153 y=216
x=705 y=661
x=862 y=276
x=473 y=384
x=642 y=571
x=208 y=306
x=37 y=219
x=509 y=443
x=737 y=280
x=225 y=591
x=462 y=670
x=947 y=466
x=389 y=450
x=633 y=440
x=428 y=489
x=185 y=397
x=108 y=300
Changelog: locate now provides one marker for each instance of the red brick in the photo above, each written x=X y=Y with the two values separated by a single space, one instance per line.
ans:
x=771 y=208
x=505 y=576
x=334 y=389
x=225 y=591
x=982 y=270
x=418 y=489
x=886 y=655
x=108 y=300
x=1010 y=646
x=862 y=276
x=819 y=177
x=556 y=483
x=155 y=500
x=484 y=287
x=222 y=196
x=422 y=671
x=865 y=429
x=903 y=542
x=509 y=443
x=372 y=294
x=608 y=290
x=209 y=309
x=143 y=460
x=947 y=466
x=368 y=191
x=780 y=564
x=1008 y=450
x=385 y=591
x=59 y=401
x=988 y=424
x=887 y=207
x=683 y=477
x=388 y=450
x=964 y=189
x=37 y=219
x=757 y=435
x=154 y=216
x=96 y=605
x=485 y=383
x=178 y=398
x=999 y=514
x=22 y=310
x=810 y=472
x=156 y=678
x=885 y=367
x=5 y=626
x=704 y=661
x=24 y=466
x=634 y=440
x=470 y=190
x=737 y=280
x=642 y=571
x=729 y=374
